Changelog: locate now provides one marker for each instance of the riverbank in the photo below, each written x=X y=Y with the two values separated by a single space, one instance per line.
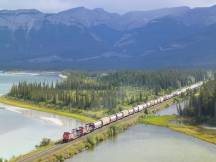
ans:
x=191 y=130
x=61 y=152
x=31 y=106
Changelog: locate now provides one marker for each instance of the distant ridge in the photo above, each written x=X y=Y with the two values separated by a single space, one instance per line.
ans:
x=96 y=39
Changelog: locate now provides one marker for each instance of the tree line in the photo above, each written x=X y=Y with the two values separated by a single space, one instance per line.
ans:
x=202 y=105
x=82 y=90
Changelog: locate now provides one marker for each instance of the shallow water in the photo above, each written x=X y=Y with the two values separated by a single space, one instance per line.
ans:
x=21 y=129
x=172 y=109
x=143 y=143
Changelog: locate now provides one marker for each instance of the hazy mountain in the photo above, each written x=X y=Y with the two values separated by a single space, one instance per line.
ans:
x=136 y=19
x=199 y=16
x=97 y=39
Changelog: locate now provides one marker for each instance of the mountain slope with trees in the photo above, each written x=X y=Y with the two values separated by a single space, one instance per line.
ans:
x=96 y=39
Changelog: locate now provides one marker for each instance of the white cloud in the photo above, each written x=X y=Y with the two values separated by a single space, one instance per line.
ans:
x=111 y=5
x=43 y=5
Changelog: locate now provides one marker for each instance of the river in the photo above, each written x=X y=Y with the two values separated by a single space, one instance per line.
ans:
x=22 y=129
x=146 y=143
x=7 y=79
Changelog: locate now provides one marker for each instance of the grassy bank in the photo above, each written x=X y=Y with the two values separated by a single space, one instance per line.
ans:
x=82 y=115
x=83 y=144
x=195 y=131
x=31 y=106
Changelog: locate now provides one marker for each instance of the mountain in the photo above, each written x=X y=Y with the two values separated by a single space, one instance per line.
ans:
x=136 y=19
x=96 y=39
x=199 y=16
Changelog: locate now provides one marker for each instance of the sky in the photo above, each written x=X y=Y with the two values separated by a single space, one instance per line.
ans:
x=120 y=6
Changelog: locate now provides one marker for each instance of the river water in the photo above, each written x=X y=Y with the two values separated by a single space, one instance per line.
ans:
x=146 y=143
x=8 y=79
x=21 y=129
x=171 y=110
x=143 y=143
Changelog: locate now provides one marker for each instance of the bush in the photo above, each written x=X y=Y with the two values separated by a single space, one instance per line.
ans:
x=91 y=141
x=60 y=158
x=113 y=131
x=44 y=142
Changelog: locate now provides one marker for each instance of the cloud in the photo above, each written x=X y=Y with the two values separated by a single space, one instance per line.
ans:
x=44 y=5
x=128 y=5
x=111 y=5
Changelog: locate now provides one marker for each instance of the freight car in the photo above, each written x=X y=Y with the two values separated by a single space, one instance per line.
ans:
x=125 y=113
x=113 y=118
x=140 y=108
x=131 y=111
x=136 y=109
x=105 y=121
x=119 y=115
x=97 y=124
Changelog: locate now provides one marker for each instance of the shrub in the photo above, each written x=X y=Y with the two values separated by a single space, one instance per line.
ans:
x=59 y=158
x=113 y=131
x=91 y=141
x=44 y=142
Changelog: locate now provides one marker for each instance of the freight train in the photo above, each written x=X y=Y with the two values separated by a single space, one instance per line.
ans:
x=90 y=127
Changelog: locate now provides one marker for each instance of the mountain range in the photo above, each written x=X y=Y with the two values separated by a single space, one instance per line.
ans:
x=82 y=38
